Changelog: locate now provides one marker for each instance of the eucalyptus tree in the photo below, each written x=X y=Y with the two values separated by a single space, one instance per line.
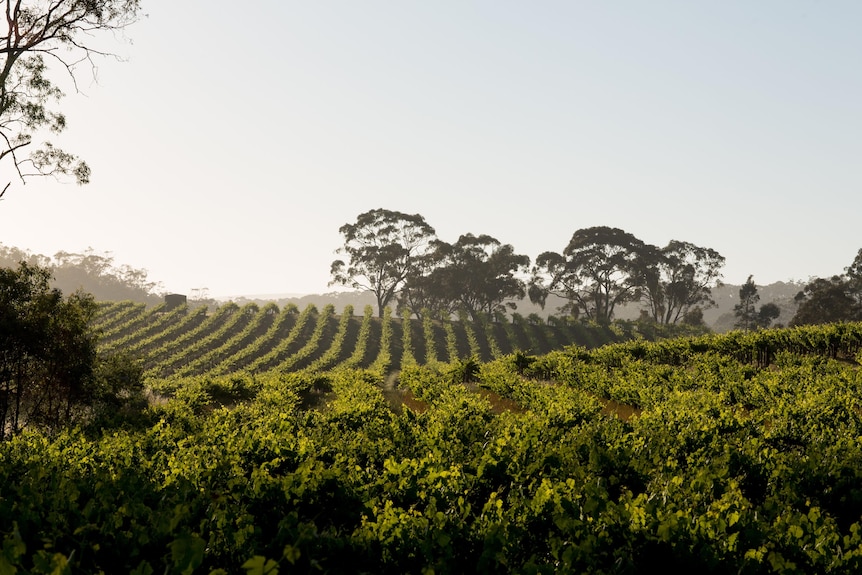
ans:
x=383 y=248
x=423 y=291
x=40 y=37
x=746 y=309
x=601 y=267
x=680 y=279
x=480 y=274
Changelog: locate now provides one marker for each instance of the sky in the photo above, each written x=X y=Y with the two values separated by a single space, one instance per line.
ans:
x=233 y=140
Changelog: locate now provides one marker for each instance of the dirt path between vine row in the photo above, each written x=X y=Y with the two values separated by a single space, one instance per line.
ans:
x=621 y=410
x=398 y=398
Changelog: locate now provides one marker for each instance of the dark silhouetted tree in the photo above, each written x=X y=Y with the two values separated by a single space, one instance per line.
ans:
x=831 y=300
x=854 y=280
x=767 y=313
x=600 y=268
x=680 y=280
x=478 y=274
x=423 y=290
x=47 y=352
x=746 y=310
x=383 y=248
x=824 y=301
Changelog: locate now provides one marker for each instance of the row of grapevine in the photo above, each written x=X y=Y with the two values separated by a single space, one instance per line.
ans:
x=332 y=354
x=148 y=326
x=383 y=360
x=189 y=333
x=408 y=357
x=185 y=342
x=294 y=339
x=262 y=346
x=128 y=321
x=206 y=355
x=183 y=350
x=360 y=349
x=312 y=345
x=172 y=329
x=431 y=354
x=111 y=313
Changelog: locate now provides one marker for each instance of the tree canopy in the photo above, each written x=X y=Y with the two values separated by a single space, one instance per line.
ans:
x=50 y=373
x=601 y=267
x=90 y=271
x=396 y=255
x=835 y=299
x=478 y=274
x=681 y=279
x=41 y=36
x=47 y=353
x=399 y=258
x=382 y=246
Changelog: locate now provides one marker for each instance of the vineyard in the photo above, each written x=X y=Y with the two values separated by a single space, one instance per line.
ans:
x=300 y=441
x=254 y=339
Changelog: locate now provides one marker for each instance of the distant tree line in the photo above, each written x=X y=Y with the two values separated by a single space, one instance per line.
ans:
x=89 y=271
x=399 y=258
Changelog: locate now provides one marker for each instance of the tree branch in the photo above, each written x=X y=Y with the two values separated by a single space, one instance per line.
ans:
x=36 y=32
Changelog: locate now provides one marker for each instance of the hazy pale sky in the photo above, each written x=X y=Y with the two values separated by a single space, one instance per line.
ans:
x=237 y=138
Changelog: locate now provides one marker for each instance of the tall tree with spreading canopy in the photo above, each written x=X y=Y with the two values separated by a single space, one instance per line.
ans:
x=681 y=279
x=600 y=268
x=824 y=300
x=423 y=291
x=479 y=273
x=746 y=310
x=383 y=247
x=41 y=36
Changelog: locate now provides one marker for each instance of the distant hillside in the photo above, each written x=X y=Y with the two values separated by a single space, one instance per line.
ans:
x=721 y=319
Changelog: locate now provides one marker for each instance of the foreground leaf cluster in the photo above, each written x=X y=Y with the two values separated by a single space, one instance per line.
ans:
x=685 y=455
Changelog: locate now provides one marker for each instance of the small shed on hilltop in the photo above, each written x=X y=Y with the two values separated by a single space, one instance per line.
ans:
x=174 y=300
